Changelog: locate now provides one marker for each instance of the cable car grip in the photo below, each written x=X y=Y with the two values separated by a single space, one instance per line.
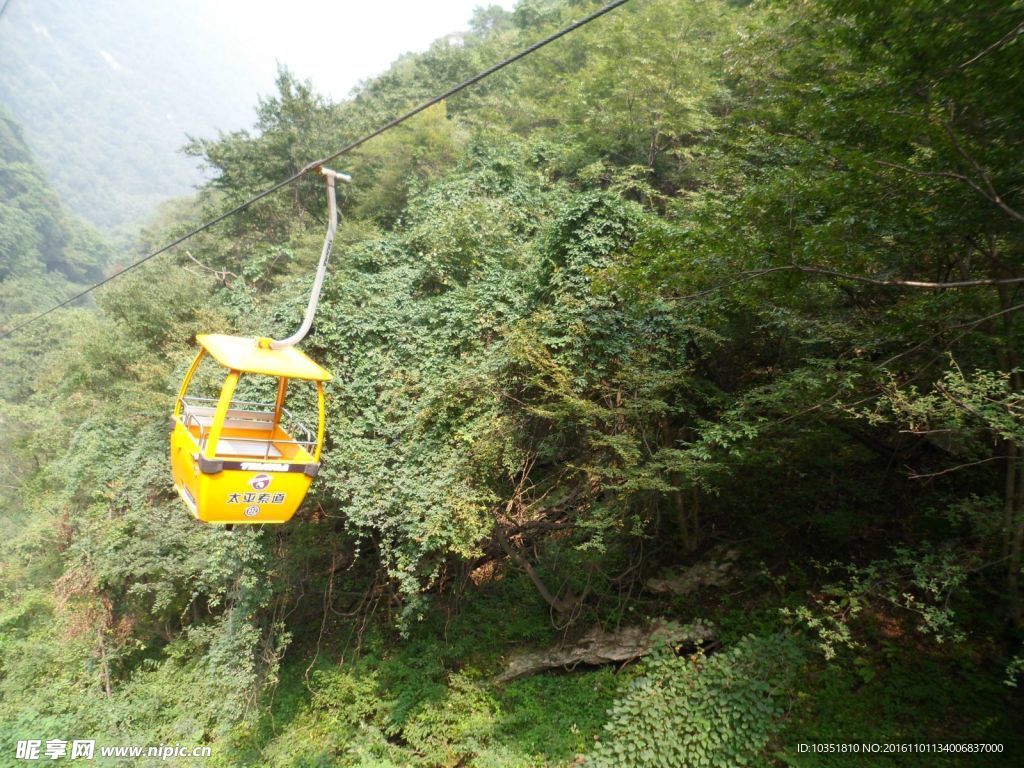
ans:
x=321 y=270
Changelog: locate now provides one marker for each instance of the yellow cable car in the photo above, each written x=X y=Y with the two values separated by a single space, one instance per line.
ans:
x=239 y=461
x=235 y=461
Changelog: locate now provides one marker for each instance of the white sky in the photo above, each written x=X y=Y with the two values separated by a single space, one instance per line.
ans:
x=335 y=44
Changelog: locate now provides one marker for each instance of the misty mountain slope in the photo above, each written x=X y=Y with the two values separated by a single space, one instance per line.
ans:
x=44 y=251
x=107 y=95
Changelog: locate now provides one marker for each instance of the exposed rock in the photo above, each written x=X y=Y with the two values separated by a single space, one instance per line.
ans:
x=715 y=571
x=600 y=647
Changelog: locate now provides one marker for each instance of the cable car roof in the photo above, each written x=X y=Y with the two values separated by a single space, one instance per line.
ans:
x=240 y=353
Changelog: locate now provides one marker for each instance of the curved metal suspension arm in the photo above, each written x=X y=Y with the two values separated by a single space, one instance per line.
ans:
x=321 y=270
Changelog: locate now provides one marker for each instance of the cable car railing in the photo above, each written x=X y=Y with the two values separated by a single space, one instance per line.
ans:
x=254 y=416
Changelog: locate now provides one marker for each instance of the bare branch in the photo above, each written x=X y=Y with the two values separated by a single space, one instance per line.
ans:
x=220 y=274
x=1002 y=42
x=993 y=195
x=969 y=326
x=925 y=284
x=907 y=283
x=555 y=601
x=937 y=174
x=988 y=191
x=928 y=475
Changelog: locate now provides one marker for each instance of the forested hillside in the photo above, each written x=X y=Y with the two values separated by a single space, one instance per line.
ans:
x=105 y=91
x=701 y=324
x=45 y=253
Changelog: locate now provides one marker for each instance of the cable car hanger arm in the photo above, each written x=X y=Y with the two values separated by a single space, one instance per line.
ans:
x=321 y=270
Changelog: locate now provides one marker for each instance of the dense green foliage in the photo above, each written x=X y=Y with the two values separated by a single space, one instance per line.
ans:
x=702 y=283
x=714 y=712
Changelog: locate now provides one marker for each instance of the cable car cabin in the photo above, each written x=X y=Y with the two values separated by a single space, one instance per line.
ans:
x=238 y=461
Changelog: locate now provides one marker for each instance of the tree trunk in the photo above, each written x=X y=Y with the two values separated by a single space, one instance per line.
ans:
x=104 y=667
x=563 y=605
x=1013 y=526
x=1013 y=489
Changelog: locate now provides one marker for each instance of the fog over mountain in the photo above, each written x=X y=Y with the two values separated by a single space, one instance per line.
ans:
x=107 y=92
